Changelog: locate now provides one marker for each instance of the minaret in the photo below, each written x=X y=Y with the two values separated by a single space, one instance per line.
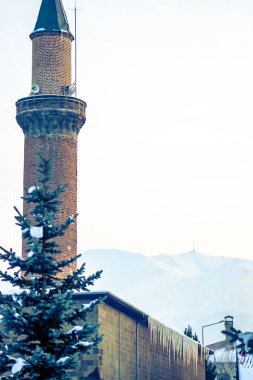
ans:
x=50 y=117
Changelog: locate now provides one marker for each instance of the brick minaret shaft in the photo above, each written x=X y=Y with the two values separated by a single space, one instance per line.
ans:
x=50 y=118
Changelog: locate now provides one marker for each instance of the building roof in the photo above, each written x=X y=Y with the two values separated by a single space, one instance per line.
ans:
x=114 y=301
x=51 y=18
x=217 y=345
x=138 y=316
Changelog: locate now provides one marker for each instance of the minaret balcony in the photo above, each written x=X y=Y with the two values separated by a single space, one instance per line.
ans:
x=50 y=114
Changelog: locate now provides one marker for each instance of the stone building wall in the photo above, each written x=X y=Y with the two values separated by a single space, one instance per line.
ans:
x=138 y=349
x=118 y=346
x=129 y=352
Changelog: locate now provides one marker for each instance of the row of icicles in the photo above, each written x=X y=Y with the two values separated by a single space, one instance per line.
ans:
x=178 y=346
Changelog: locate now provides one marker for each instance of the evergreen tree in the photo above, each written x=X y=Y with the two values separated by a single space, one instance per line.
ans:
x=210 y=370
x=42 y=328
x=188 y=332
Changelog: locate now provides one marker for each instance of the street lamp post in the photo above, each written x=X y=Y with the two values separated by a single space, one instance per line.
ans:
x=211 y=324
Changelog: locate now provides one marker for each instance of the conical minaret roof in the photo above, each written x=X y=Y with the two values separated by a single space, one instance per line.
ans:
x=51 y=18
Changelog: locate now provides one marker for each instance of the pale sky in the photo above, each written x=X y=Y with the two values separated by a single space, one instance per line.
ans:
x=166 y=155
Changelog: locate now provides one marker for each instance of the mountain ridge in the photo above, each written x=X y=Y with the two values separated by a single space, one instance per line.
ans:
x=179 y=289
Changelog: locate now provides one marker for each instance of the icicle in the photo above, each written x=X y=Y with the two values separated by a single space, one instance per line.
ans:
x=180 y=346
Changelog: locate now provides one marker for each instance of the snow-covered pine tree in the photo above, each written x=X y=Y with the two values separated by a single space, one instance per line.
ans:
x=42 y=329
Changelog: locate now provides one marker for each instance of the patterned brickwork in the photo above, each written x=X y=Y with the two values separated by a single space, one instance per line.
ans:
x=51 y=62
x=63 y=152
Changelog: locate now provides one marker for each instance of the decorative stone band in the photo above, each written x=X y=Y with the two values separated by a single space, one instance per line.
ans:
x=50 y=114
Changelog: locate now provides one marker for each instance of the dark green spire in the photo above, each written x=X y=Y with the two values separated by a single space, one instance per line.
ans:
x=51 y=18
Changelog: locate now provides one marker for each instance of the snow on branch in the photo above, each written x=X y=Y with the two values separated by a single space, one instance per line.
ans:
x=75 y=329
x=83 y=344
x=62 y=360
x=36 y=232
x=18 y=365
x=87 y=306
x=32 y=189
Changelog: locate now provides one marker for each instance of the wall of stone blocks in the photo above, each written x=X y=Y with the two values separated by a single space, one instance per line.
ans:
x=122 y=357
x=116 y=357
x=118 y=347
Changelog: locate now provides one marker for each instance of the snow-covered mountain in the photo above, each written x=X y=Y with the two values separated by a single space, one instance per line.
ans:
x=189 y=288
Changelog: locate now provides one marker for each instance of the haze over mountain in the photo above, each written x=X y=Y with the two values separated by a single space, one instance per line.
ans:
x=188 y=288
